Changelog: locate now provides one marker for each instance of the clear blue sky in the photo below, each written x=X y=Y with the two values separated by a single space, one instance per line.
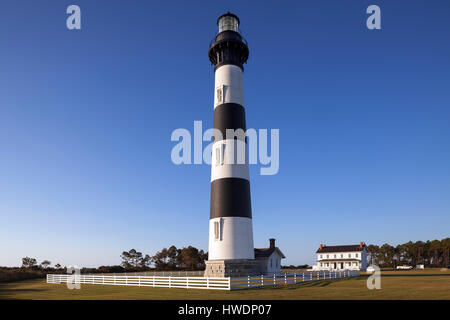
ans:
x=86 y=118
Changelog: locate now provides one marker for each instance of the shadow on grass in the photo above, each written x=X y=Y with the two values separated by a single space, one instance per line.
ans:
x=414 y=275
x=296 y=286
x=8 y=294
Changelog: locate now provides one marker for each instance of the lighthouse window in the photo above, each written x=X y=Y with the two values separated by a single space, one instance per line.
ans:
x=217 y=156
x=228 y=23
x=219 y=95
x=220 y=155
x=216 y=230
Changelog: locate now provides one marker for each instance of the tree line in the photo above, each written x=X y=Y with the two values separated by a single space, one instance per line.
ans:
x=434 y=253
x=187 y=258
x=28 y=262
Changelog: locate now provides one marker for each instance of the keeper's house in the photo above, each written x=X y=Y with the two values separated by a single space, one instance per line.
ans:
x=347 y=257
x=269 y=258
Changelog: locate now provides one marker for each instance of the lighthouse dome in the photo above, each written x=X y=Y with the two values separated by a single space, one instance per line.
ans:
x=228 y=22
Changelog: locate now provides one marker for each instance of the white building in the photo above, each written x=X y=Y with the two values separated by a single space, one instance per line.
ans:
x=269 y=258
x=346 y=257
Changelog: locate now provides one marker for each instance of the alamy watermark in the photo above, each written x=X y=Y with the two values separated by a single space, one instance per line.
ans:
x=73 y=281
x=227 y=150
x=374 y=280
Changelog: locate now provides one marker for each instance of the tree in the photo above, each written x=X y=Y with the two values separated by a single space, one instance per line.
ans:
x=28 y=262
x=131 y=259
x=446 y=251
x=172 y=254
x=435 y=248
x=386 y=253
x=146 y=261
x=191 y=258
x=418 y=250
x=373 y=254
x=45 y=264
x=160 y=259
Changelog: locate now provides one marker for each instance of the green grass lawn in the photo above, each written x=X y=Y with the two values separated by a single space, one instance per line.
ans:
x=424 y=284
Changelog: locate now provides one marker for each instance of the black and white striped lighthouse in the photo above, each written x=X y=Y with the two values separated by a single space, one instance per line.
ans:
x=231 y=248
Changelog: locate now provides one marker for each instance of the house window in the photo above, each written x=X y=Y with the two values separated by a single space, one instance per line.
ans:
x=349 y=255
x=335 y=256
x=342 y=255
x=320 y=256
x=327 y=256
x=320 y=264
x=356 y=255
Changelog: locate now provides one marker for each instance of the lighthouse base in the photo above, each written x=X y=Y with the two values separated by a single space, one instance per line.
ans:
x=233 y=268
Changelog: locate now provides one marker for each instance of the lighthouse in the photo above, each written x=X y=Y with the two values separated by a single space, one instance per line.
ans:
x=231 y=250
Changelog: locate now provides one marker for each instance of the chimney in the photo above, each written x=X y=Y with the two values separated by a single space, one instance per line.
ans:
x=272 y=243
x=321 y=246
x=361 y=244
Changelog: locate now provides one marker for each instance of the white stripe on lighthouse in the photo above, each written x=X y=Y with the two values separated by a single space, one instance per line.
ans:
x=234 y=241
x=228 y=81
x=229 y=160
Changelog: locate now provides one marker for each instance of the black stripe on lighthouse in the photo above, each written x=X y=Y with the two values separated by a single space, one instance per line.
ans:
x=230 y=197
x=229 y=116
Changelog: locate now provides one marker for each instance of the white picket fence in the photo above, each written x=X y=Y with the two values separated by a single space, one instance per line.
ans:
x=227 y=283
x=143 y=281
x=285 y=279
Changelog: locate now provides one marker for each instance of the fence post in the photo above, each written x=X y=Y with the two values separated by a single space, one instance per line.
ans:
x=248 y=281
x=207 y=282
x=103 y=278
x=295 y=278
x=187 y=282
x=274 y=279
x=153 y=281
x=170 y=284
x=285 y=279
x=262 y=280
x=310 y=276
x=139 y=277
x=229 y=283
x=303 y=277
